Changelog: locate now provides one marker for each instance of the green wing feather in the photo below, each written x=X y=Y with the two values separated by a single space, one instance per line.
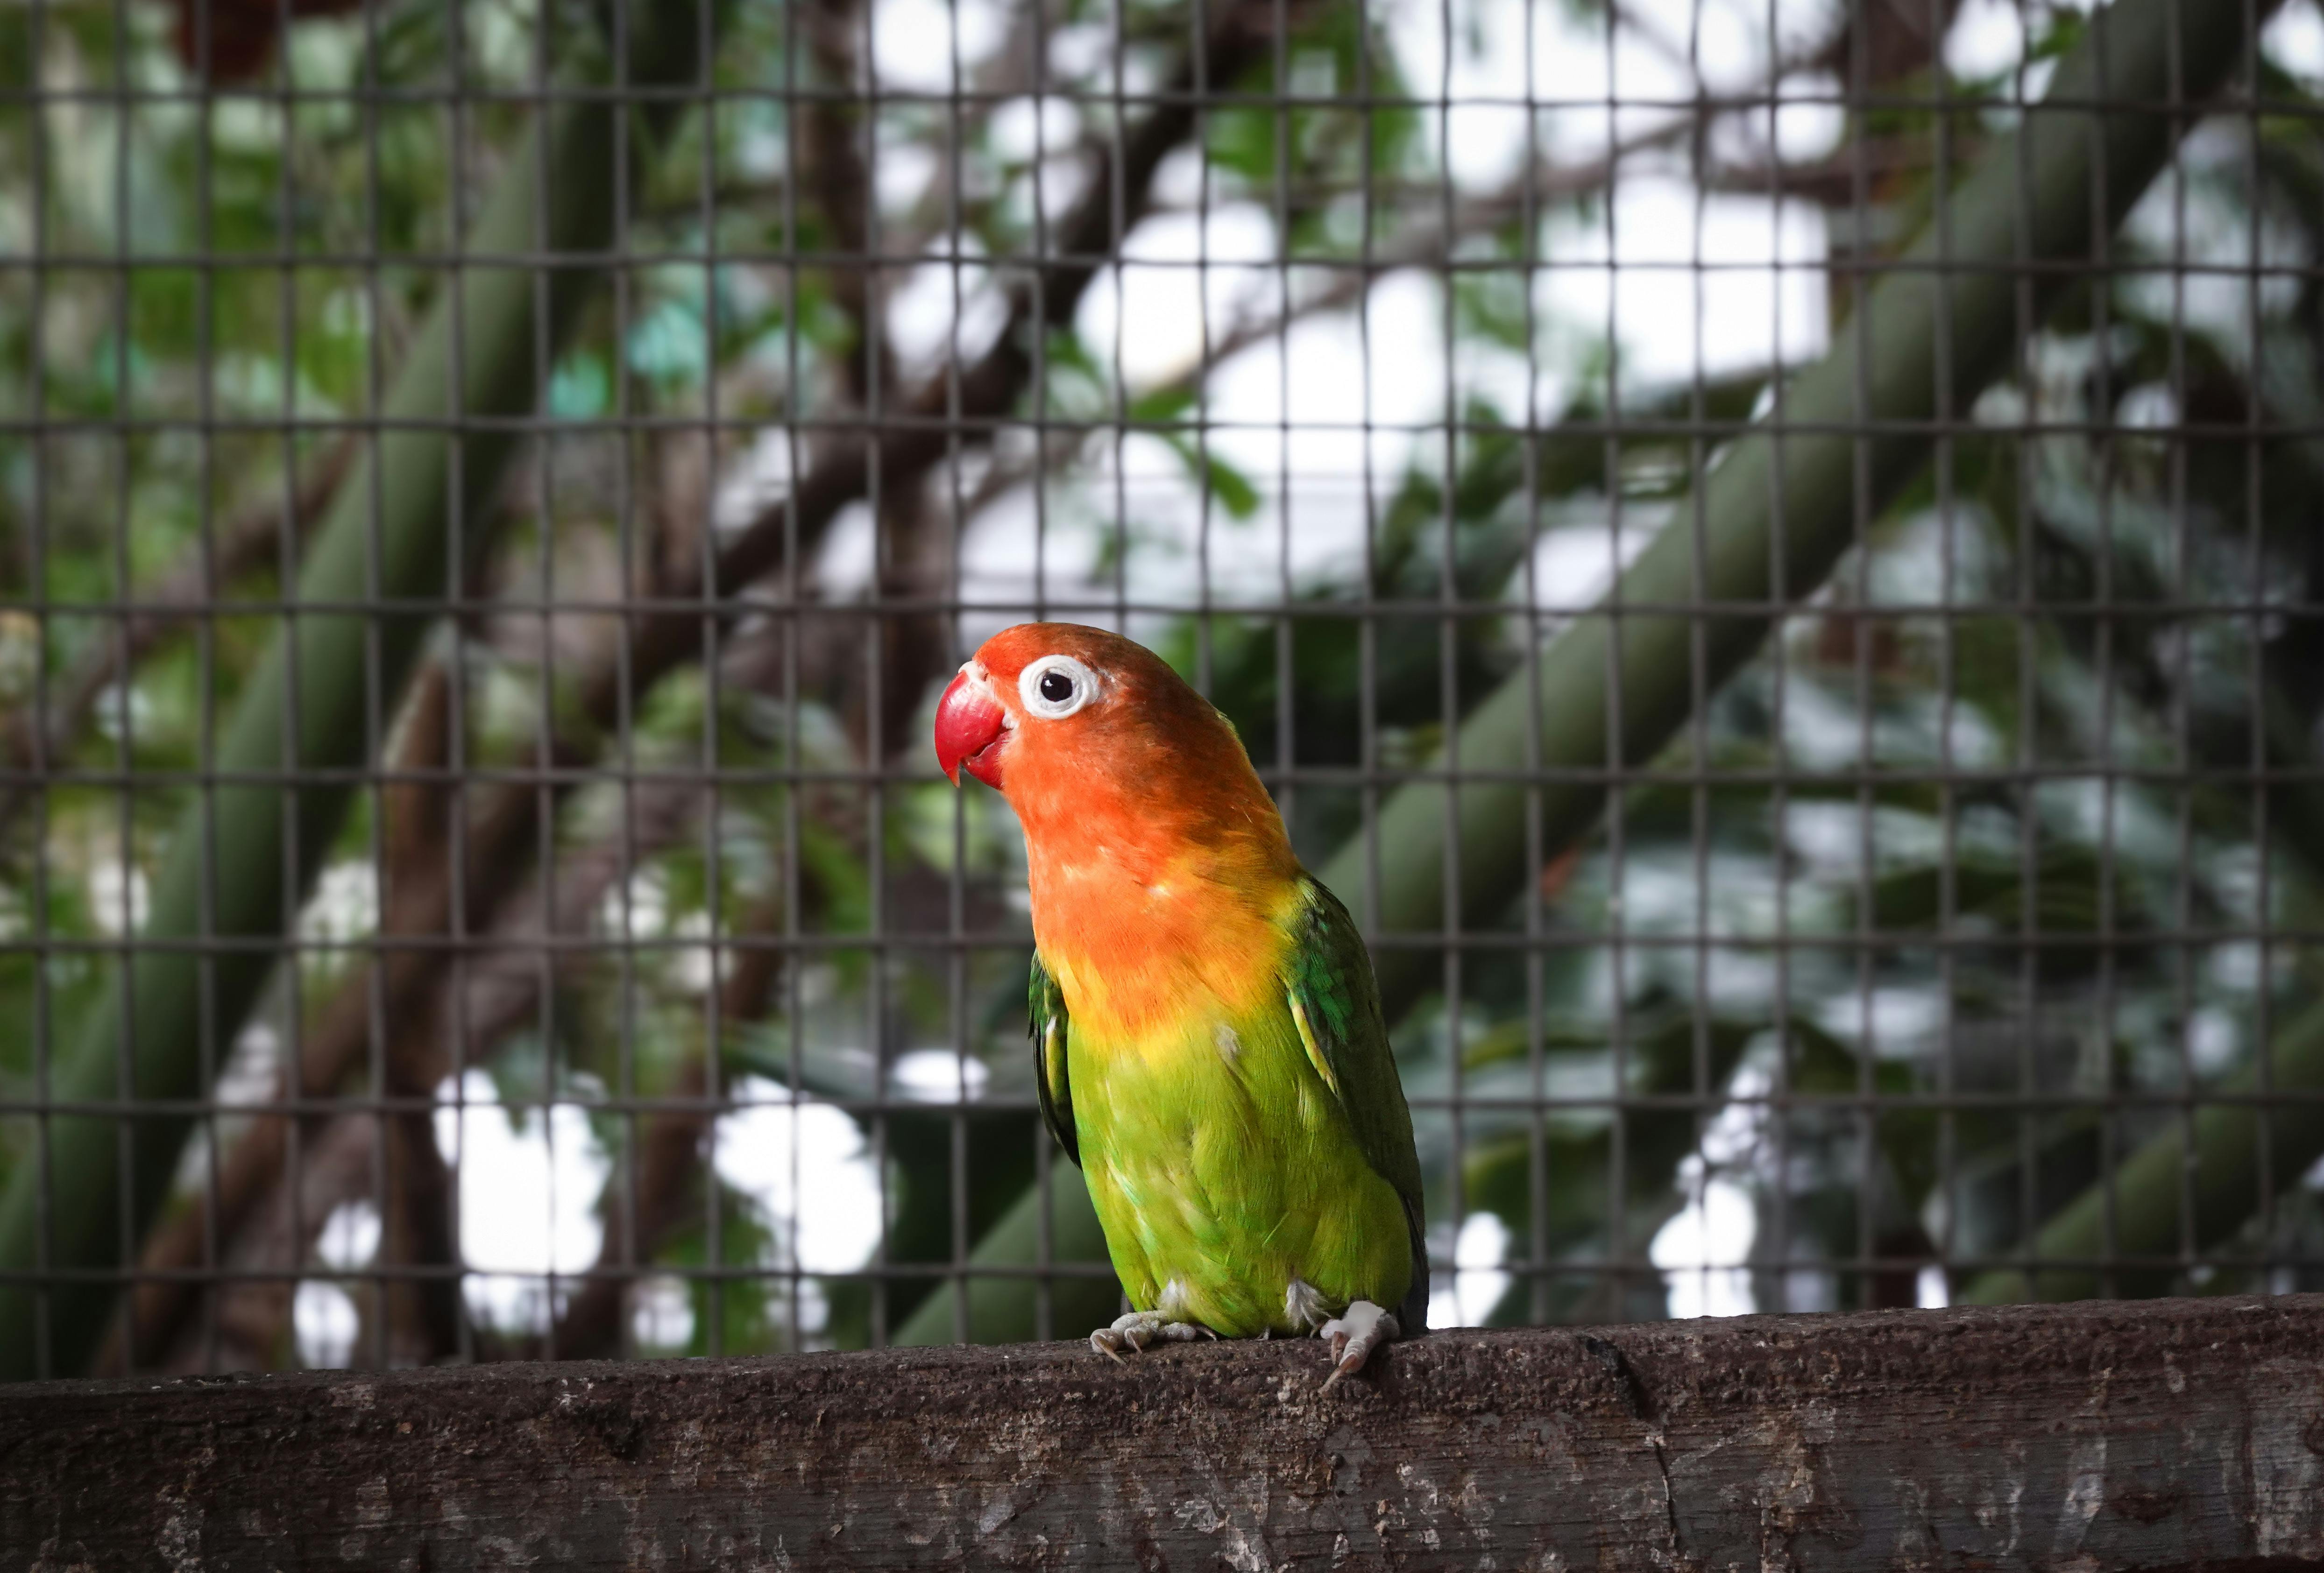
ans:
x=1045 y=1011
x=1335 y=1002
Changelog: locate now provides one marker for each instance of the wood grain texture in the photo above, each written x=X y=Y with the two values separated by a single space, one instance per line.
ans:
x=2161 y=1434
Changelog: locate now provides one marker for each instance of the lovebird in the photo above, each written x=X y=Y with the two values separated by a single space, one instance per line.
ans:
x=1206 y=1029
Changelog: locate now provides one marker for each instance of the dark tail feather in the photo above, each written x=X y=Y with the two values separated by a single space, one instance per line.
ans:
x=1412 y=1315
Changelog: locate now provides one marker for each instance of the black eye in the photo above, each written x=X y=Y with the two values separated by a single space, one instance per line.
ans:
x=1055 y=687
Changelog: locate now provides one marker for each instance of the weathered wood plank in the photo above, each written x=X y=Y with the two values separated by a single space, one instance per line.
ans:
x=2166 y=1434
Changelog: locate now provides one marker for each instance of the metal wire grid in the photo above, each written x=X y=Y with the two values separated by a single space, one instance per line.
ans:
x=553 y=981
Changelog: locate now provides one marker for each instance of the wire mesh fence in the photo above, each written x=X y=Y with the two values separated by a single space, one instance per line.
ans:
x=1766 y=549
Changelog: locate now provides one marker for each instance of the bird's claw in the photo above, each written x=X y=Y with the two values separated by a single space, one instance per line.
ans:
x=1353 y=1335
x=1138 y=1328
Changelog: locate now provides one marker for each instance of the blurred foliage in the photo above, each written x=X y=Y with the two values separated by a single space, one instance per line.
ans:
x=1979 y=826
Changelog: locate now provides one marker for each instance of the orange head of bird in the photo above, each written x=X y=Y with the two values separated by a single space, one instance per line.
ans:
x=1079 y=727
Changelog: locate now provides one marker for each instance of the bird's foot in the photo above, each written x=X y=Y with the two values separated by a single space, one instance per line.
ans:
x=1354 y=1334
x=1140 y=1328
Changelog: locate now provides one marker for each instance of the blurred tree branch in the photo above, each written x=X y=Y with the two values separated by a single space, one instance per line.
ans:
x=2175 y=1195
x=2206 y=1176
x=157 y=1317
x=1618 y=686
x=227 y=873
x=231 y=40
x=667 y=1161
x=835 y=173
x=248 y=540
x=417 y=1227
x=883 y=682
x=503 y=830
x=501 y=990
x=1886 y=41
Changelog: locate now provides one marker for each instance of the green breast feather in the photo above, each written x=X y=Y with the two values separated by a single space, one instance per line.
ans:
x=1257 y=1148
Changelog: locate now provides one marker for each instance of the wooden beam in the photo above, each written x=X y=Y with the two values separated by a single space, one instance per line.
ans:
x=2161 y=1434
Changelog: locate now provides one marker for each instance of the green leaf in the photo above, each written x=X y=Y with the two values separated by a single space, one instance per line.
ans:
x=1221 y=479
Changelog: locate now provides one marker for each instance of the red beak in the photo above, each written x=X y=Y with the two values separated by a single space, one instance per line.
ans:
x=969 y=731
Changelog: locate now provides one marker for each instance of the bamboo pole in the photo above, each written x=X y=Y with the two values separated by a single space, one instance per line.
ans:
x=2221 y=1178
x=1774 y=516
x=2222 y=1175
x=1003 y=1307
x=242 y=858
x=1772 y=519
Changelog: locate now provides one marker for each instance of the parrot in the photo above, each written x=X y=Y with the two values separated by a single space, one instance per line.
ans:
x=1208 y=1042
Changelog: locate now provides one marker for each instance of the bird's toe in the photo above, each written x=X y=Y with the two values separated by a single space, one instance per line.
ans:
x=1137 y=1329
x=1353 y=1335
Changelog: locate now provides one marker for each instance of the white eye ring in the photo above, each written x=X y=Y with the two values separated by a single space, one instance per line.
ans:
x=1028 y=687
